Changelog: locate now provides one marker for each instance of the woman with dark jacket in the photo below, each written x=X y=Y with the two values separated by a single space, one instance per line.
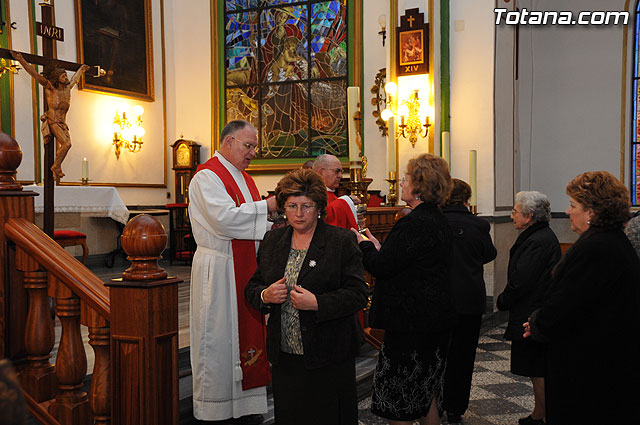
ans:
x=531 y=259
x=412 y=299
x=590 y=315
x=310 y=281
x=472 y=248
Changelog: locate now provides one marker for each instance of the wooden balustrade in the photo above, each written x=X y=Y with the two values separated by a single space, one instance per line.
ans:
x=135 y=377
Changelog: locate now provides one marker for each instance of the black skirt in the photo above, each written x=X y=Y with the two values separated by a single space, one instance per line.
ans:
x=528 y=358
x=409 y=375
x=314 y=396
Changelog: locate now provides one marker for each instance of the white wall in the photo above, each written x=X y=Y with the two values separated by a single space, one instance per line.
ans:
x=472 y=61
x=570 y=99
x=91 y=114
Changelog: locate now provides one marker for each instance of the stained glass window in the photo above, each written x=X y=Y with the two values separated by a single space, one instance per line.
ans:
x=635 y=138
x=286 y=73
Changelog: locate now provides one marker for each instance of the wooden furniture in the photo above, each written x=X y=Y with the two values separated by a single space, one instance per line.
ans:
x=181 y=245
x=186 y=158
x=72 y=238
x=133 y=325
x=380 y=221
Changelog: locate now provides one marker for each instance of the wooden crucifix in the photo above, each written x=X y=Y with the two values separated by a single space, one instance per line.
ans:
x=57 y=90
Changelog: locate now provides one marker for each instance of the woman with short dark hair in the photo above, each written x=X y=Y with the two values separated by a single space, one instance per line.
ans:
x=310 y=281
x=590 y=314
x=412 y=300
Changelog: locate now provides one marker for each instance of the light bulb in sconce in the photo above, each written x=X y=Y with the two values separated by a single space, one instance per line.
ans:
x=391 y=88
x=138 y=110
x=382 y=21
x=386 y=114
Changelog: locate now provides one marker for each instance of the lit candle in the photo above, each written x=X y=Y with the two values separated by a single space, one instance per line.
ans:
x=391 y=145
x=353 y=101
x=446 y=147
x=85 y=168
x=473 y=176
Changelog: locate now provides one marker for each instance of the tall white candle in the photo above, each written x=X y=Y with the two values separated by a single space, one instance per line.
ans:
x=85 y=168
x=391 y=145
x=473 y=176
x=446 y=147
x=353 y=106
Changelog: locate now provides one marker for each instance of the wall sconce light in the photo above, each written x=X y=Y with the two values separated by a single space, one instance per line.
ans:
x=412 y=115
x=128 y=134
x=382 y=21
x=8 y=66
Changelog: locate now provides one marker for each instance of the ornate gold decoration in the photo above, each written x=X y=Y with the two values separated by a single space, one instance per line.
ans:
x=8 y=66
x=380 y=99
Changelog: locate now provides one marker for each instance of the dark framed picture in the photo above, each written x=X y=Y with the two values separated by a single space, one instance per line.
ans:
x=412 y=44
x=411 y=47
x=116 y=36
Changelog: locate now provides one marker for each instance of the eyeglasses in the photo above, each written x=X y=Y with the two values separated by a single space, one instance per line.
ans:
x=515 y=211
x=404 y=180
x=335 y=170
x=248 y=146
x=306 y=208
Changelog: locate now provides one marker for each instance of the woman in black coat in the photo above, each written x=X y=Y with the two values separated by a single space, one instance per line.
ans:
x=472 y=248
x=412 y=299
x=531 y=259
x=590 y=314
x=310 y=281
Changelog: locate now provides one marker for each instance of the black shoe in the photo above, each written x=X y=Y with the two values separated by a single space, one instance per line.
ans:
x=530 y=421
x=453 y=418
x=256 y=419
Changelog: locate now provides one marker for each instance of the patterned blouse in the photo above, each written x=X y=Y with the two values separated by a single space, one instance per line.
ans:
x=291 y=341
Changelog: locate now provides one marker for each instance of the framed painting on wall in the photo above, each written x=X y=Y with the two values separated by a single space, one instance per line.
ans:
x=116 y=36
x=412 y=44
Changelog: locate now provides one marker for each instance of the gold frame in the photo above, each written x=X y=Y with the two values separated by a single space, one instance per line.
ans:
x=83 y=85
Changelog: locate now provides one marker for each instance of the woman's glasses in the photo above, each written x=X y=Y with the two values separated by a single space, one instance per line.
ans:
x=306 y=208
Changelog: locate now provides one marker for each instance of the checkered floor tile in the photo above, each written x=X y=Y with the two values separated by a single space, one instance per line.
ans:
x=497 y=396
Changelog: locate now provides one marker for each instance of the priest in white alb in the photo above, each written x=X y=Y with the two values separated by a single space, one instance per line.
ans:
x=228 y=358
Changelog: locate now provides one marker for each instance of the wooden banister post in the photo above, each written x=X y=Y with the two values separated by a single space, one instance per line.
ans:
x=144 y=331
x=14 y=202
x=100 y=389
x=71 y=405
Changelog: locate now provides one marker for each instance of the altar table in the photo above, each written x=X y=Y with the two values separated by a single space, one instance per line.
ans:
x=90 y=201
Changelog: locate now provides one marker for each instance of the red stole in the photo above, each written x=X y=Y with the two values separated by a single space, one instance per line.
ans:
x=253 y=355
x=339 y=213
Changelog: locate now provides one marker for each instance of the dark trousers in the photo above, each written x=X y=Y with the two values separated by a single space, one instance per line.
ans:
x=460 y=361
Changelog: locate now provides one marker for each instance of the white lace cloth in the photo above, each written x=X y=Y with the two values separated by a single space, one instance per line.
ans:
x=91 y=201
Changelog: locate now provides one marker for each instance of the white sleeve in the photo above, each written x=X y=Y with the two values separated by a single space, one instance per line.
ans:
x=352 y=206
x=211 y=207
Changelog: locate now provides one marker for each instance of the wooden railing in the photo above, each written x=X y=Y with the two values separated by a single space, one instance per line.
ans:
x=132 y=324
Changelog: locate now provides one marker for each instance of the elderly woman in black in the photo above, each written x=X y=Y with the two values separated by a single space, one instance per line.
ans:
x=590 y=314
x=311 y=282
x=531 y=259
x=412 y=300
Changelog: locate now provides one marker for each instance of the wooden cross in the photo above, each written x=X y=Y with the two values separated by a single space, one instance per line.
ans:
x=50 y=34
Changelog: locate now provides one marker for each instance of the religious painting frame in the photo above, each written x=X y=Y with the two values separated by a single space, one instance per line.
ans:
x=412 y=44
x=117 y=37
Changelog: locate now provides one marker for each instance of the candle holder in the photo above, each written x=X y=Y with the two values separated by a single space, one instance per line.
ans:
x=473 y=209
x=392 y=196
x=85 y=182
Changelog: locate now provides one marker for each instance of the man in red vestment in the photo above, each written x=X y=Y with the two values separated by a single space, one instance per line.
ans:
x=341 y=211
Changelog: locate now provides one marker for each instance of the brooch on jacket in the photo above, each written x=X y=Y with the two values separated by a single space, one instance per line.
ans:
x=312 y=263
